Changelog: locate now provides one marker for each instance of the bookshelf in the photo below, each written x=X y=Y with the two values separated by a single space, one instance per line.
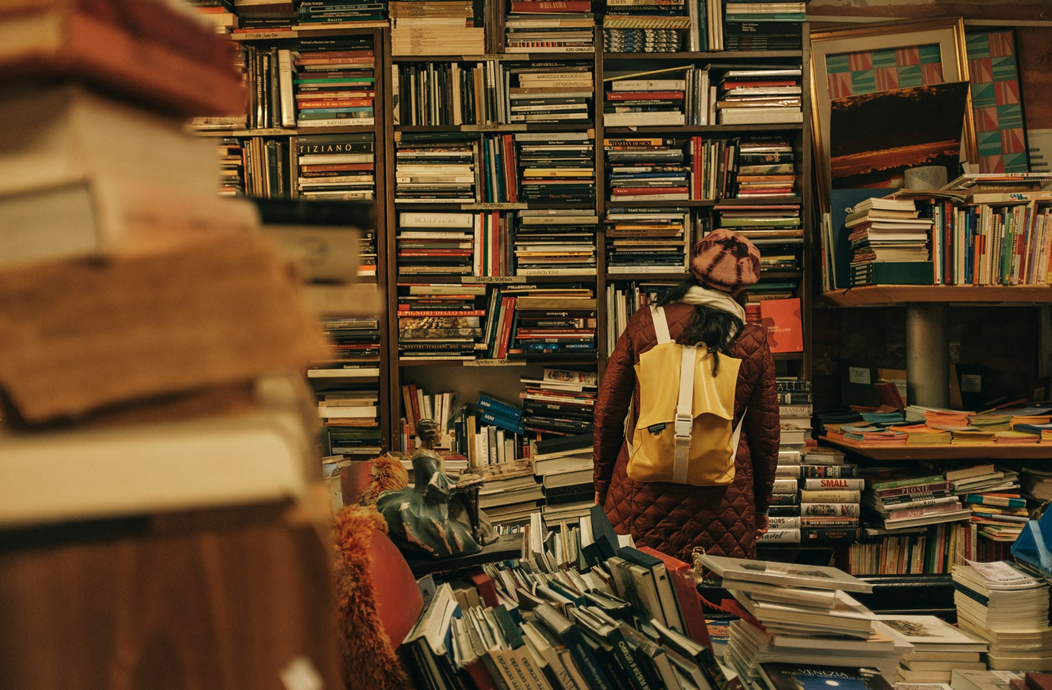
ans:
x=502 y=377
x=871 y=295
x=978 y=451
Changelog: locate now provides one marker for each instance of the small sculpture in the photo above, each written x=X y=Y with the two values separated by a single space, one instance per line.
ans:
x=435 y=516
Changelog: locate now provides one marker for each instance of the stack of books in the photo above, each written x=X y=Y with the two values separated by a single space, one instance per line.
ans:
x=645 y=26
x=218 y=13
x=647 y=241
x=775 y=230
x=889 y=243
x=542 y=26
x=557 y=167
x=900 y=500
x=550 y=92
x=863 y=434
x=436 y=169
x=993 y=495
x=437 y=27
x=646 y=169
x=537 y=306
x=352 y=375
x=555 y=242
x=763 y=26
x=1036 y=483
x=439 y=321
x=231 y=167
x=336 y=166
x=436 y=243
x=560 y=403
x=650 y=98
x=760 y=96
x=1008 y=607
x=747 y=184
x=510 y=499
x=830 y=506
x=563 y=466
x=341 y=13
x=261 y=15
x=334 y=83
x=939 y=649
x=794 y=613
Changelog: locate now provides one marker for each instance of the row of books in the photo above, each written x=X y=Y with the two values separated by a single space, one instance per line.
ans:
x=535 y=25
x=894 y=423
x=458 y=322
x=484 y=93
x=922 y=550
x=467 y=168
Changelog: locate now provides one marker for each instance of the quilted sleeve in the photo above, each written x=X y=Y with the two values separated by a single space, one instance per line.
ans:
x=611 y=408
x=762 y=427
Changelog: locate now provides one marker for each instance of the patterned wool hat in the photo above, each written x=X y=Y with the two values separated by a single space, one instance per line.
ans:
x=725 y=260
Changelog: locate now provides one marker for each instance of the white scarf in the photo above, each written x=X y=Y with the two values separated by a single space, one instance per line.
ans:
x=714 y=299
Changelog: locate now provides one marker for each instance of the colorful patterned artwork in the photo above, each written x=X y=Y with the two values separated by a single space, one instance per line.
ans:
x=876 y=71
x=999 y=129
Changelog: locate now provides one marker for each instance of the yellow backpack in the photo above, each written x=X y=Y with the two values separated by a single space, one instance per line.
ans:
x=683 y=433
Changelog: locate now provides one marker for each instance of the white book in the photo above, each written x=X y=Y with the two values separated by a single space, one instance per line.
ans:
x=285 y=91
x=133 y=469
x=642 y=119
x=745 y=116
x=648 y=84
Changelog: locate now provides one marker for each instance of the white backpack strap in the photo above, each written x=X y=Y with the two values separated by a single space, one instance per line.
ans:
x=660 y=324
x=737 y=435
x=684 y=418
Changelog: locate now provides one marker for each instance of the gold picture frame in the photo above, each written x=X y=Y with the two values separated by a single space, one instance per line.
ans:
x=829 y=48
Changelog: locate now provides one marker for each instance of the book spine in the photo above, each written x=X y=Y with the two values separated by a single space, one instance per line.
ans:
x=826 y=496
x=823 y=483
x=830 y=509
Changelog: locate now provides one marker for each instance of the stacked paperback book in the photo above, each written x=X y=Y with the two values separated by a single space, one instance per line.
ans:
x=552 y=92
x=1007 y=607
x=333 y=83
x=645 y=26
x=646 y=169
x=336 y=166
x=439 y=321
x=760 y=96
x=436 y=243
x=563 y=466
x=670 y=96
x=437 y=169
x=437 y=27
x=899 y=500
x=763 y=25
x=560 y=403
x=646 y=241
x=348 y=388
x=555 y=242
x=544 y=26
x=939 y=649
x=540 y=331
x=557 y=167
x=889 y=243
x=341 y=13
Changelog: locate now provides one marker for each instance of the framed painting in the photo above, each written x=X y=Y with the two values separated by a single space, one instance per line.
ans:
x=853 y=65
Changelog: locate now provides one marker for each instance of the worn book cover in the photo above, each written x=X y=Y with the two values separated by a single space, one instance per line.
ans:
x=782 y=321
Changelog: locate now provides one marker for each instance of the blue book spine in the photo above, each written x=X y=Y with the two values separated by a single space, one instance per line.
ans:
x=501 y=422
x=499 y=407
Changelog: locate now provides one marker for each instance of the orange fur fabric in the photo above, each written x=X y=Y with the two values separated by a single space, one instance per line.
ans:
x=369 y=661
x=388 y=475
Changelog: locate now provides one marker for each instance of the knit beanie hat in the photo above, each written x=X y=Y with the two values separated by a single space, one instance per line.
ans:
x=725 y=260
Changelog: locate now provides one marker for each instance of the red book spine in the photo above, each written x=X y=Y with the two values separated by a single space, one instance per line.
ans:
x=686 y=596
x=507 y=303
x=472 y=312
x=631 y=191
x=564 y=6
x=495 y=246
x=487 y=590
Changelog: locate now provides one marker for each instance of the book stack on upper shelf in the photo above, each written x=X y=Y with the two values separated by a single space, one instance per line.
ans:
x=1009 y=608
x=555 y=242
x=349 y=388
x=437 y=169
x=219 y=13
x=437 y=243
x=888 y=241
x=670 y=96
x=559 y=404
x=557 y=167
x=333 y=81
x=903 y=499
x=336 y=166
x=939 y=649
x=332 y=14
x=437 y=27
x=646 y=169
x=760 y=96
x=764 y=25
x=645 y=26
x=547 y=322
x=647 y=241
x=748 y=184
x=794 y=613
x=543 y=26
x=257 y=15
x=439 y=321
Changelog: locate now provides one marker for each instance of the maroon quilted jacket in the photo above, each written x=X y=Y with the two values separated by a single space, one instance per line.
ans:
x=675 y=518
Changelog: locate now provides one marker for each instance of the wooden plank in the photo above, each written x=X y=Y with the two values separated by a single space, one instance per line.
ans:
x=978 y=451
x=902 y=294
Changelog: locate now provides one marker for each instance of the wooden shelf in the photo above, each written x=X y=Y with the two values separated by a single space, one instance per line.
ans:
x=488 y=206
x=284 y=132
x=502 y=128
x=902 y=294
x=978 y=451
x=709 y=55
x=670 y=275
x=509 y=281
x=704 y=129
x=588 y=56
x=517 y=362
x=704 y=203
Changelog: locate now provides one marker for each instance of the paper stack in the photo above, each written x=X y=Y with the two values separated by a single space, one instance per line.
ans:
x=938 y=648
x=1009 y=608
x=797 y=613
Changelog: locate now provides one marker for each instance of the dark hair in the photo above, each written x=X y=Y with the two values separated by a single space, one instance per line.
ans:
x=715 y=328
